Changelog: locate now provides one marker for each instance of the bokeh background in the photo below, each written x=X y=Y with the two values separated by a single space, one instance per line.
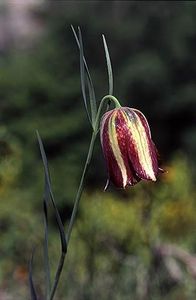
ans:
x=134 y=244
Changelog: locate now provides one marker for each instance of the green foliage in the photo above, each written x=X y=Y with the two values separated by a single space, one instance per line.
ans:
x=112 y=254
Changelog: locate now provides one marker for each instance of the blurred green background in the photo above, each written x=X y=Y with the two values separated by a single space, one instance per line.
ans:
x=134 y=244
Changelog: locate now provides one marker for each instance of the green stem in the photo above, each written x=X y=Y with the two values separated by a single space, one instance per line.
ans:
x=58 y=274
x=88 y=160
x=110 y=97
x=80 y=189
x=81 y=185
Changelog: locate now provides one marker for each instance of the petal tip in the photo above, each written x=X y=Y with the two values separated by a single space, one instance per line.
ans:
x=106 y=185
x=153 y=178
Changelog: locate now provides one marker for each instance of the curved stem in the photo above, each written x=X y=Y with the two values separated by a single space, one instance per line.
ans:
x=80 y=189
x=103 y=100
x=114 y=99
x=58 y=274
x=89 y=156
x=81 y=185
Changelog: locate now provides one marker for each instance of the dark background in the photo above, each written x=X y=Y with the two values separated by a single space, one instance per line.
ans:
x=133 y=243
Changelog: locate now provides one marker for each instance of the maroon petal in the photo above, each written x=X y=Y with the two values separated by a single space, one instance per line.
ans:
x=121 y=131
x=114 y=173
x=113 y=140
x=129 y=151
x=141 y=149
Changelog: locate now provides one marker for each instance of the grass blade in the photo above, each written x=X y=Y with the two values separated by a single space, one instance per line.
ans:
x=31 y=283
x=109 y=66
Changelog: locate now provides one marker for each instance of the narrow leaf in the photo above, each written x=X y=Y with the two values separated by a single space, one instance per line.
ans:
x=46 y=199
x=82 y=74
x=93 y=104
x=48 y=183
x=83 y=79
x=109 y=66
x=85 y=63
x=91 y=97
x=31 y=283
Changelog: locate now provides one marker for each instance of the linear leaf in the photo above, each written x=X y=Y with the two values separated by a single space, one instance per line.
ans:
x=46 y=199
x=85 y=63
x=58 y=219
x=92 y=96
x=93 y=104
x=83 y=79
x=31 y=283
x=109 y=66
x=82 y=75
x=48 y=182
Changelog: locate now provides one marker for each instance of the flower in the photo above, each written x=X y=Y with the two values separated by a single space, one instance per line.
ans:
x=128 y=148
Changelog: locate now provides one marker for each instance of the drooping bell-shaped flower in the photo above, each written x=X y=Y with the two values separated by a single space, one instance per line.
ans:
x=128 y=148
